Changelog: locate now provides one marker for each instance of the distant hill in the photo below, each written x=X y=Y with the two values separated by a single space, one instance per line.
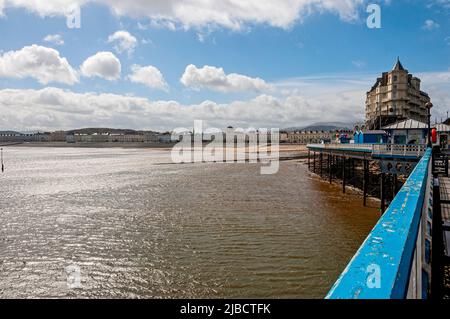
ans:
x=8 y=133
x=323 y=126
x=102 y=130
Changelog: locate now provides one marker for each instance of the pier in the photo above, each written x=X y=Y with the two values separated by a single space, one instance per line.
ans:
x=369 y=167
x=406 y=255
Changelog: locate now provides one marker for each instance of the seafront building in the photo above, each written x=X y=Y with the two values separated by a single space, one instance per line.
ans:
x=83 y=136
x=307 y=137
x=144 y=137
x=395 y=96
x=20 y=137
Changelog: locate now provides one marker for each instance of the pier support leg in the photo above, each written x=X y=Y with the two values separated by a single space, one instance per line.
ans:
x=314 y=162
x=383 y=192
x=394 y=185
x=343 y=174
x=309 y=160
x=365 y=181
x=329 y=169
x=353 y=168
x=321 y=164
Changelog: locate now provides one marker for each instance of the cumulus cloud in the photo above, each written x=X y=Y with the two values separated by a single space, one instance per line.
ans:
x=215 y=79
x=54 y=38
x=437 y=85
x=430 y=25
x=305 y=100
x=149 y=76
x=123 y=41
x=54 y=108
x=234 y=15
x=38 y=62
x=103 y=64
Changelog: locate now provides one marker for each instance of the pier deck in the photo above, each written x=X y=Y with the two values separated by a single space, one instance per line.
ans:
x=444 y=183
x=445 y=189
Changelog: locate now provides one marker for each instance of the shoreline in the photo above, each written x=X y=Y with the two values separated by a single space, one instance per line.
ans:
x=300 y=149
x=287 y=152
x=92 y=145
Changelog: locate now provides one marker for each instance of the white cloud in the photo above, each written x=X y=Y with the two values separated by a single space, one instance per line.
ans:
x=53 y=108
x=443 y=3
x=123 y=41
x=149 y=76
x=38 y=62
x=2 y=5
x=359 y=64
x=430 y=25
x=447 y=39
x=337 y=98
x=103 y=64
x=234 y=14
x=55 y=39
x=215 y=79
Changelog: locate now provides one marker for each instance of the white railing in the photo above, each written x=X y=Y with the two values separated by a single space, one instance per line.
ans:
x=399 y=149
x=376 y=149
x=335 y=146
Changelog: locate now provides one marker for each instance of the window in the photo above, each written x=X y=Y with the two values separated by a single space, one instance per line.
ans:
x=395 y=78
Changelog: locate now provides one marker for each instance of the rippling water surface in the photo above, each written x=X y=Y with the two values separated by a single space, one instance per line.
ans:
x=138 y=226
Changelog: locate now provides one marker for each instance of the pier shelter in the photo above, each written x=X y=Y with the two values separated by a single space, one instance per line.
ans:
x=371 y=137
x=407 y=132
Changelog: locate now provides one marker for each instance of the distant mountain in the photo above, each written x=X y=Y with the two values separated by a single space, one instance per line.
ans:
x=322 y=126
x=8 y=133
x=102 y=130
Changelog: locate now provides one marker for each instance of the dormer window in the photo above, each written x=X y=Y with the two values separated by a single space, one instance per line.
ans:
x=395 y=78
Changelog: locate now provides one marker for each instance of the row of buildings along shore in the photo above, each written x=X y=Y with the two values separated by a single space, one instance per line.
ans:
x=106 y=136
x=87 y=136
x=403 y=132
x=396 y=111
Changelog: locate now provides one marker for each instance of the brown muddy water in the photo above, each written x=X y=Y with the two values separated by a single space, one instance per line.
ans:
x=135 y=225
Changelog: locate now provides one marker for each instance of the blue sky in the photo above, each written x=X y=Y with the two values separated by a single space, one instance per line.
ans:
x=324 y=56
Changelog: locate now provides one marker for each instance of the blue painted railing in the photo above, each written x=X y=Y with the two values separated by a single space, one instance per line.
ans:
x=383 y=266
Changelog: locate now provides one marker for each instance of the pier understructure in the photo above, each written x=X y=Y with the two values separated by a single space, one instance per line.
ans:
x=379 y=170
x=407 y=253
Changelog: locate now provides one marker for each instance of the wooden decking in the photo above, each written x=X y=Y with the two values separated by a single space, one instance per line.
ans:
x=444 y=183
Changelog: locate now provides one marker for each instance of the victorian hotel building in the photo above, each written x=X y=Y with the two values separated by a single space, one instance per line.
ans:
x=395 y=96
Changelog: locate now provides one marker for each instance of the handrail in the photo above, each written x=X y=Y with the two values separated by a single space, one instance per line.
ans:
x=390 y=247
x=363 y=147
x=399 y=149
x=377 y=150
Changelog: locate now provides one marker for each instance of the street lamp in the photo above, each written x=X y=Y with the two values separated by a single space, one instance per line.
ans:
x=429 y=105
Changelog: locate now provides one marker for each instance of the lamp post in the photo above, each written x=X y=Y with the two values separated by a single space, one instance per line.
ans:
x=429 y=105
